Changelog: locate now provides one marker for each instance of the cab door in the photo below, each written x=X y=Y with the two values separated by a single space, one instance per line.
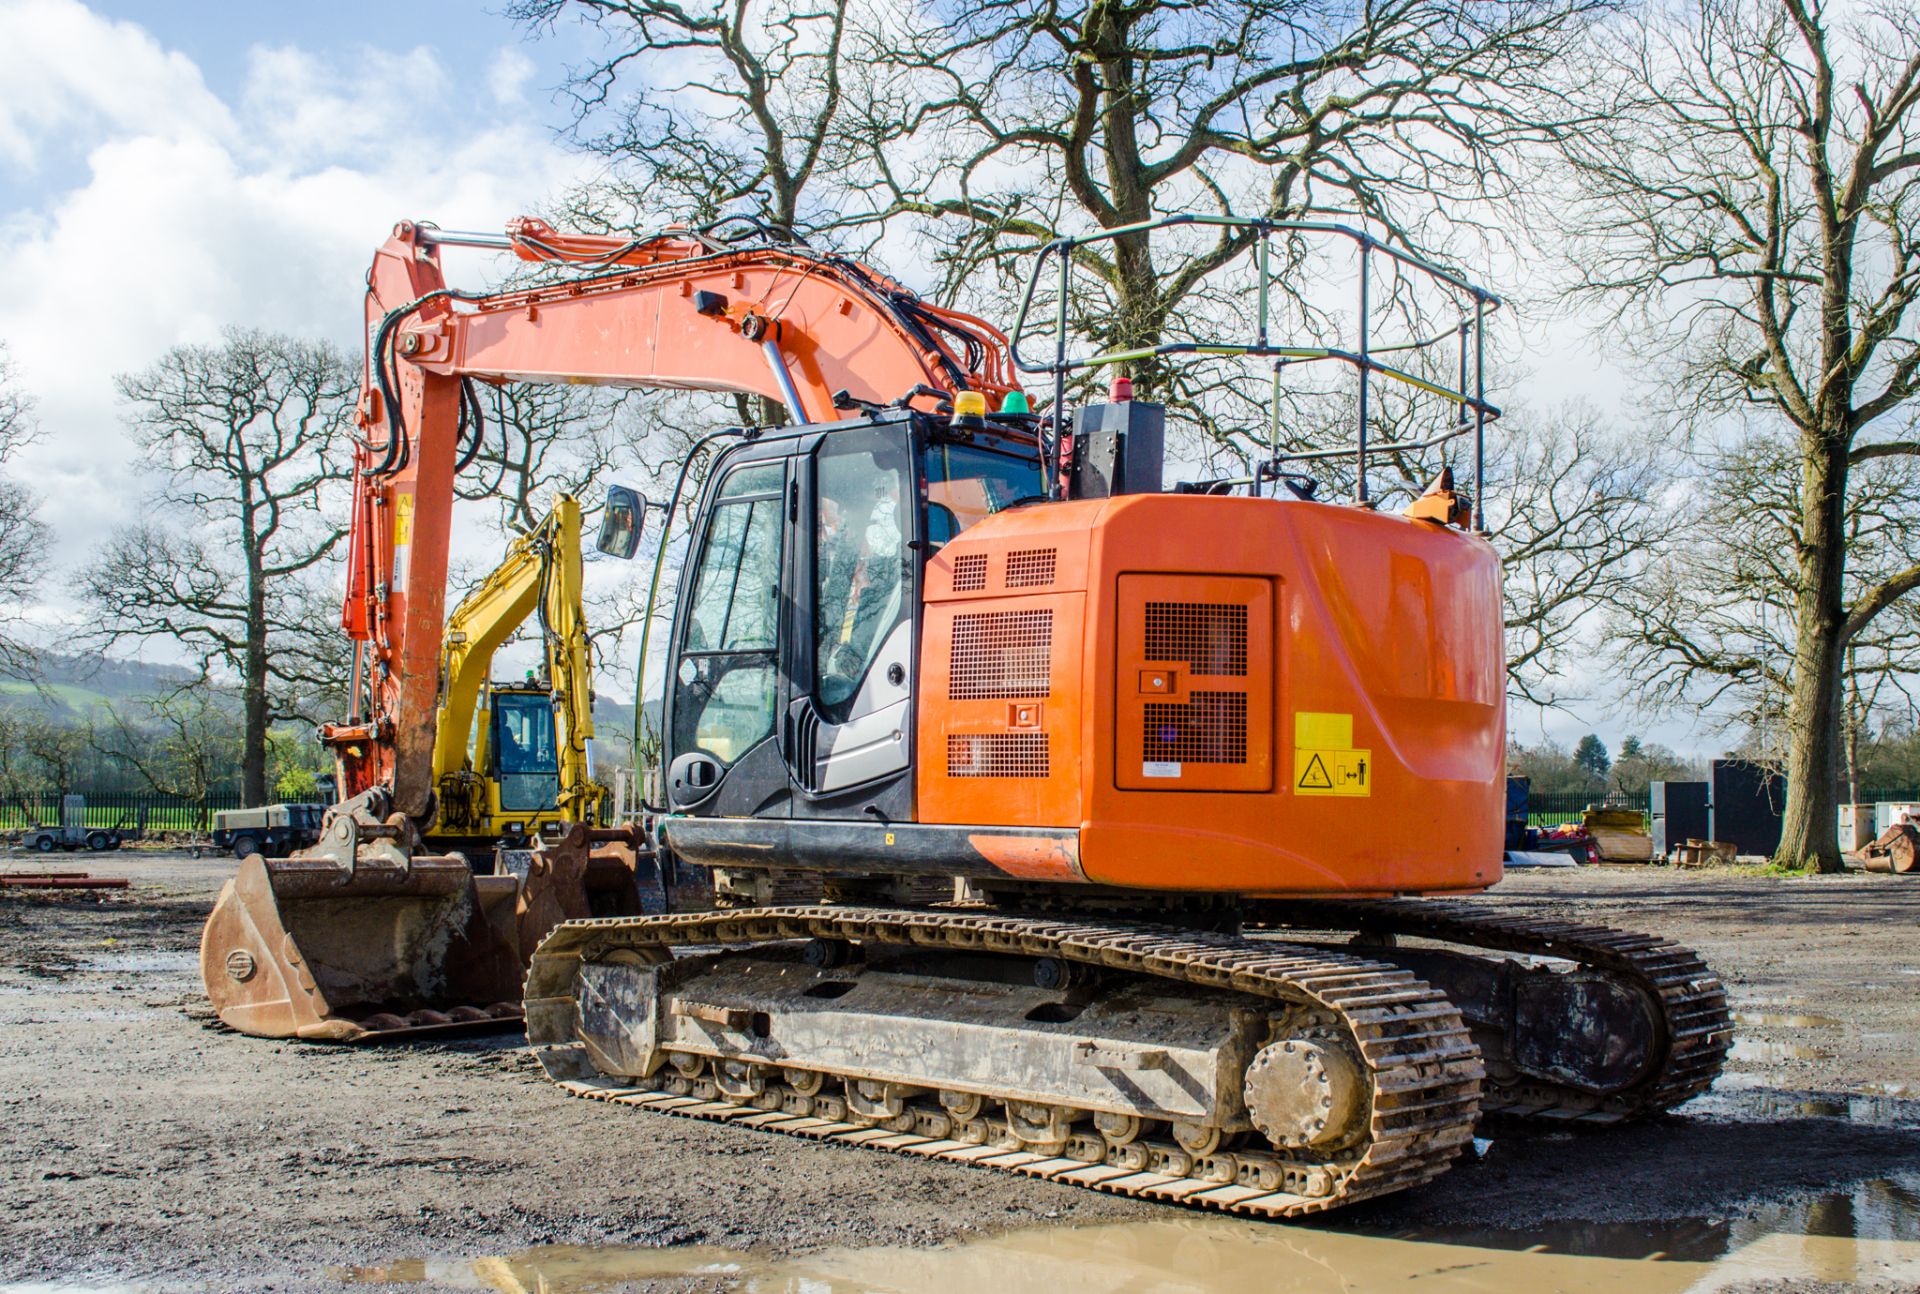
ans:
x=849 y=723
x=726 y=688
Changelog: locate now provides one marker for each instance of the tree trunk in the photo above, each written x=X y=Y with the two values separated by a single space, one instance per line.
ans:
x=1809 y=834
x=253 y=749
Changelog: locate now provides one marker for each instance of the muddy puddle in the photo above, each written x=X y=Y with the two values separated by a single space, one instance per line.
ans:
x=1784 y=1020
x=1760 y=1052
x=1869 y=1233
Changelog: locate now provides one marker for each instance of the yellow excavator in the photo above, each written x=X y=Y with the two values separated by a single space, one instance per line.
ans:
x=526 y=766
x=512 y=827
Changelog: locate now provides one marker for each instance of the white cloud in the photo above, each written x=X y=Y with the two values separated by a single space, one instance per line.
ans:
x=69 y=78
x=508 y=74
x=298 y=106
x=188 y=214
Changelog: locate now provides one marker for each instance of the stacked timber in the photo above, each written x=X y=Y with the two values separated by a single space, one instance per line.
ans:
x=1620 y=834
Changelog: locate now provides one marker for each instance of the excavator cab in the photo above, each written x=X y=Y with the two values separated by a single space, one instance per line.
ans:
x=793 y=655
x=523 y=750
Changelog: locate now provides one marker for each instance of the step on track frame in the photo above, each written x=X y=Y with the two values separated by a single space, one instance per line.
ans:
x=1424 y=1073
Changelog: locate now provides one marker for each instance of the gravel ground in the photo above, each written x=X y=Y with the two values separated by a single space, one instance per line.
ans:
x=147 y=1149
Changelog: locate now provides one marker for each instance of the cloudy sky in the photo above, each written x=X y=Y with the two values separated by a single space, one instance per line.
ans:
x=170 y=167
x=167 y=169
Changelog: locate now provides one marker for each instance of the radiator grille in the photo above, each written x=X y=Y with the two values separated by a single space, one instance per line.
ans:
x=1211 y=728
x=1211 y=637
x=998 y=754
x=969 y=572
x=1001 y=654
x=1030 y=567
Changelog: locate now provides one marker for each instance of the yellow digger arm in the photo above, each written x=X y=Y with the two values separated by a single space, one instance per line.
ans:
x=541 y=569
x=570 y=665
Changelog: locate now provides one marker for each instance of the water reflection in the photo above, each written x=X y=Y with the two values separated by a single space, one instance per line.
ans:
x=1870 y=1232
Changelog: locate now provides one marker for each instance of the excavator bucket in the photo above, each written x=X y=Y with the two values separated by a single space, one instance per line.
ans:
x=356 y=941
x=299 y=948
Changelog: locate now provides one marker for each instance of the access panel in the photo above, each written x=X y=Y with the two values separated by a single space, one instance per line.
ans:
x=1194 y=693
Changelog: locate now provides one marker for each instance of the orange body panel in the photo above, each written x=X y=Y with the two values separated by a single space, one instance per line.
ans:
x=1321 y=687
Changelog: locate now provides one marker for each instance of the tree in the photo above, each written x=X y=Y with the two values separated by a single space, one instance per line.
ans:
x=1743 y=191
x=1707 y=623
x=1638 y=766
x=243 y=443
x=23 y=536
x=1590 y=753
x=56 y=750
x=542 y=440
x=1570 y=508
x=184 y=744
x=1021 y=122
x=750 y=122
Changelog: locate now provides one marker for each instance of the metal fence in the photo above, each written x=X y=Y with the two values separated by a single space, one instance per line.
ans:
x=1874 y=795
x=120 y=809
x=1551 y=808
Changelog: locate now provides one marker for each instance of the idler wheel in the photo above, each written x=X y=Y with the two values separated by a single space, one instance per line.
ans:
x=1197 y=1138
x=1304 y=1092
x=962 y=1107
x=1118 y=1129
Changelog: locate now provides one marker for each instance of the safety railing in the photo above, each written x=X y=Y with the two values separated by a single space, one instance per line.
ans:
x=1469 y=331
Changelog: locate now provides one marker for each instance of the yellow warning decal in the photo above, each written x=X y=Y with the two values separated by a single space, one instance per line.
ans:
x=1325 y=761
x=402 y=520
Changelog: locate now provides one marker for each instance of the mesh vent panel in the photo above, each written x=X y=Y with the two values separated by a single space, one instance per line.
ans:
x=1030 y=567
x=1001 y=654
x=1210 y=729
x=1211 y=637
x=969 y=572
x=998 y=754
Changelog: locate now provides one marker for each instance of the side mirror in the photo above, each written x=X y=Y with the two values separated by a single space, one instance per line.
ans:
x=620 y=523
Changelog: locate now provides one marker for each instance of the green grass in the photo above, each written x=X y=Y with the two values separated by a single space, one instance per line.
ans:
x=1556 y=818
x=71 y=695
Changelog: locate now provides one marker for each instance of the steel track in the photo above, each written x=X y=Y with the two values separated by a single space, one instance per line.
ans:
x=1696 y=1024
x=1424 y=1072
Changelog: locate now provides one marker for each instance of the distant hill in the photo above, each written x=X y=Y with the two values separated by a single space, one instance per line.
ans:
x=79 y=687
x=613 y=721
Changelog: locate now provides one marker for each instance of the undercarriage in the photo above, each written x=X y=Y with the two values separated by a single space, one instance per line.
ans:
x=1323 y=1054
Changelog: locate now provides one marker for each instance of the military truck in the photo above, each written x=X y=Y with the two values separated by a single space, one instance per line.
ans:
x=271 y=830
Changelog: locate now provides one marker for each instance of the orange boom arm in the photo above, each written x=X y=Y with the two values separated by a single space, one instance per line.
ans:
x=678 y=310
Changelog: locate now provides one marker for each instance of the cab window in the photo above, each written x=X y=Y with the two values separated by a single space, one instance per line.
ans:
x=726 y=681
x=971 y=480
x=863 y=525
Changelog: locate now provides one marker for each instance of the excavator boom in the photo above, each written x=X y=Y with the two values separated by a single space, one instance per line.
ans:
x=369 y=934
x=784 y=323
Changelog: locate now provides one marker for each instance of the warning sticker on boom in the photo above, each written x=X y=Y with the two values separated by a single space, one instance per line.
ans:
x=1325 y=760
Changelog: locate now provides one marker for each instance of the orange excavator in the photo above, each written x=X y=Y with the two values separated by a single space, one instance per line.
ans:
x=1022 y=808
